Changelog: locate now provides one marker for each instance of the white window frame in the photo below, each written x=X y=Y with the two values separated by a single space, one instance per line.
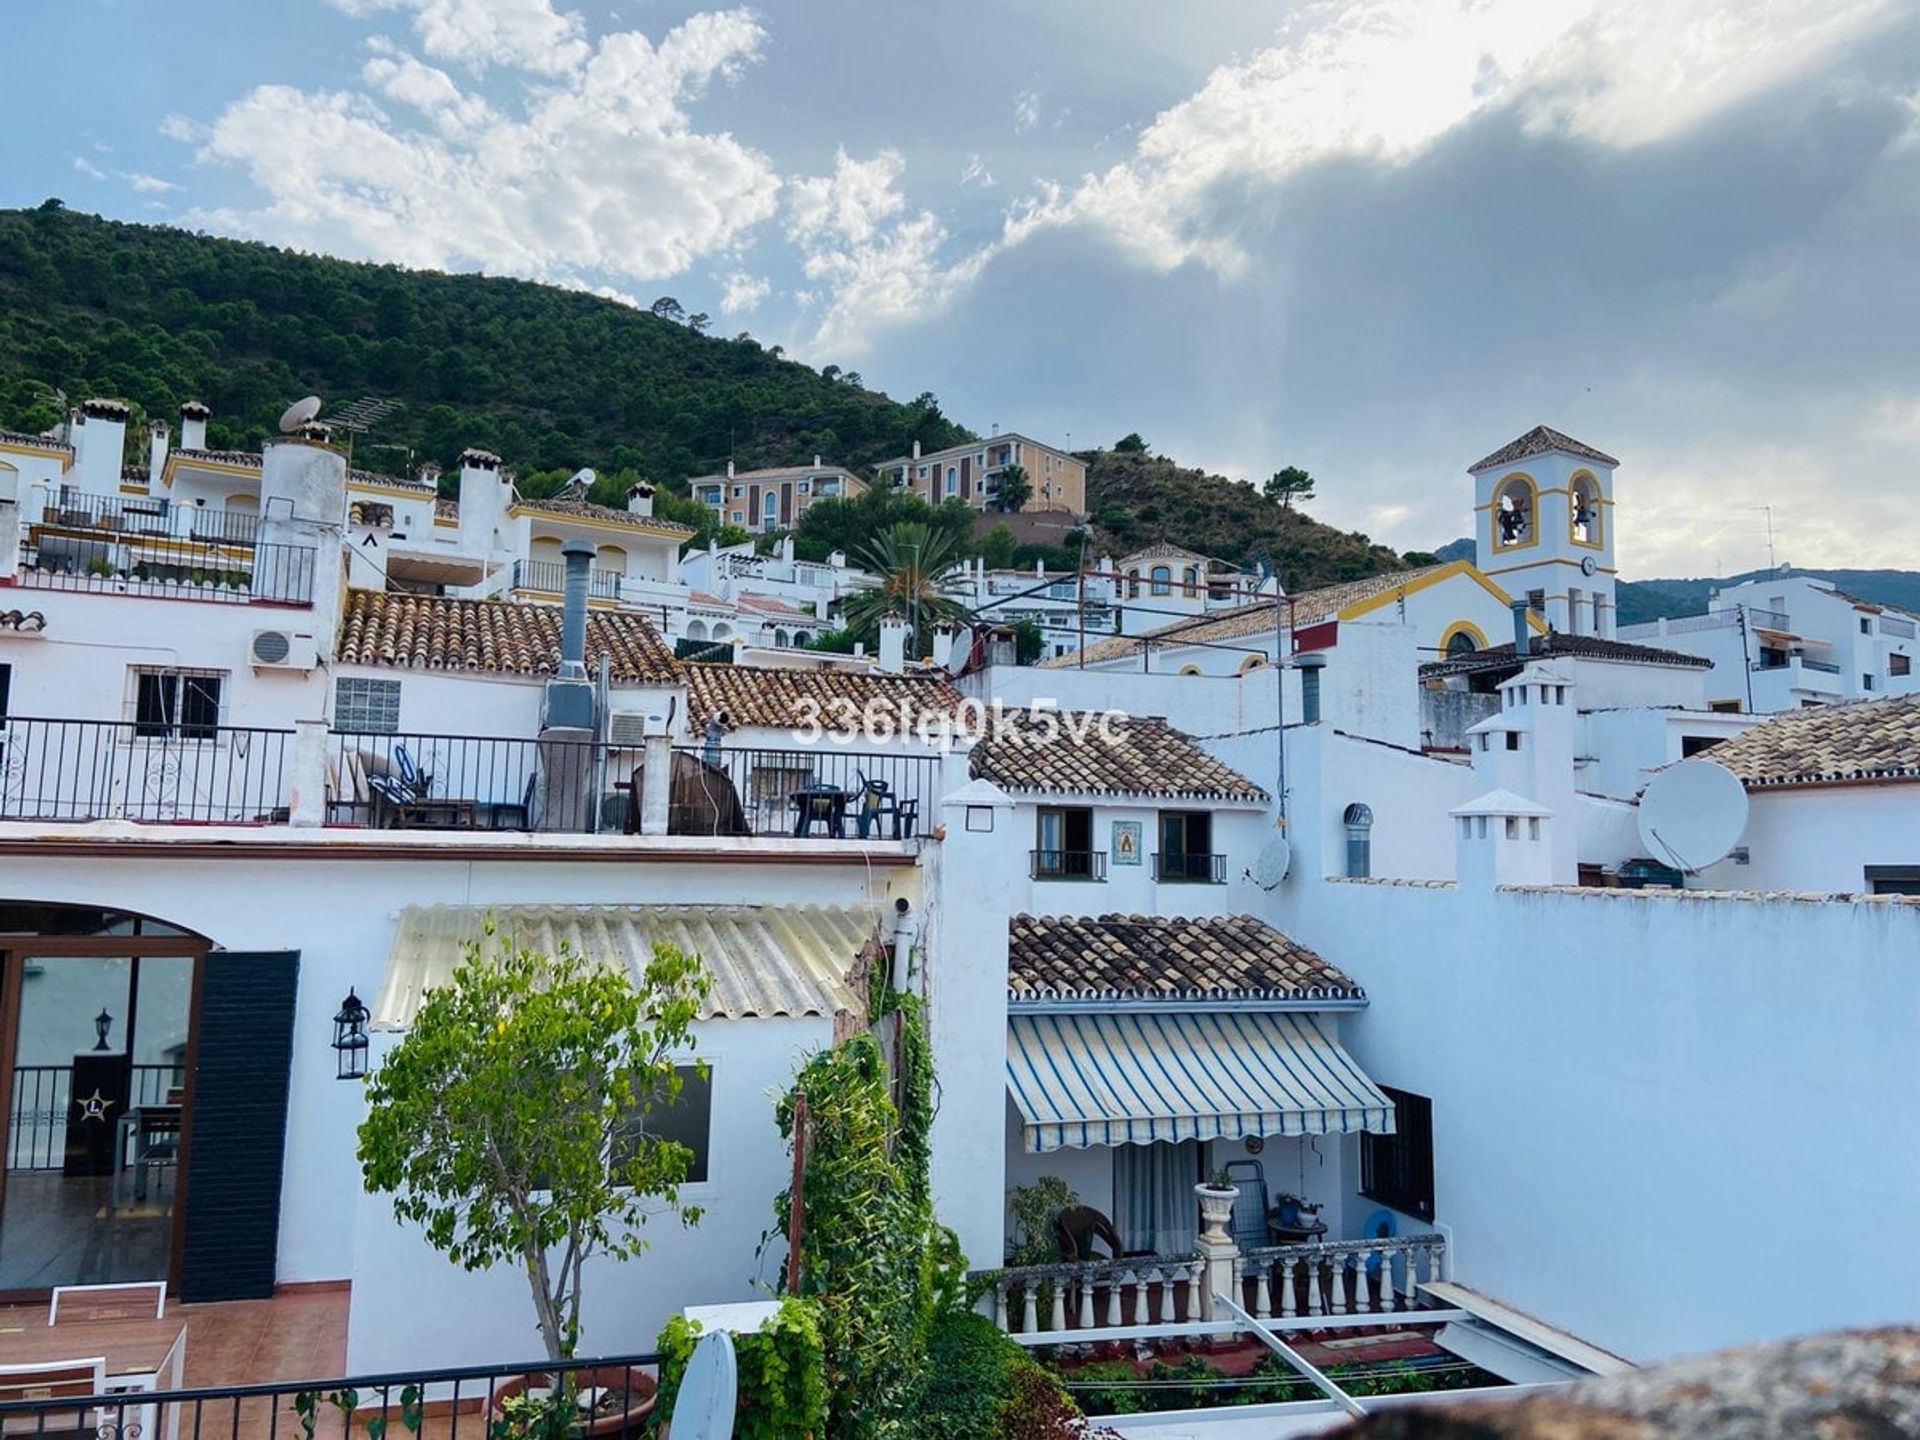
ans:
x=178 y=674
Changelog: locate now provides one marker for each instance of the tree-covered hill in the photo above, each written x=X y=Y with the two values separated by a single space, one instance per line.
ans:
x=547 y=377
x=1139 y=499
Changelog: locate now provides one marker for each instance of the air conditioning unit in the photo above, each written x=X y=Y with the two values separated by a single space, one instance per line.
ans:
x=630 y=728
x=282 y=650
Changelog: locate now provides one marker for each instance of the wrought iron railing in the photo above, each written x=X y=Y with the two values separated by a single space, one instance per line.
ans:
x=470 y=782
x=139 y=517
x=173 y=569
x=1190 y=868
x=447 y=1403
x=828 y=791
x=549 y=577
x=37 y=1119
x=1047 y=864
x=177 y=772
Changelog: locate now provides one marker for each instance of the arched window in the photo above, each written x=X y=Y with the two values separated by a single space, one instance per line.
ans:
x=1253 y=662
x=1359 y=822
x=1190 y=670
x=1190 y=580
x=1460 y=642
x=1514 y=513
x=779 y=639
x=721 y=630
x=770 y=509
x=801 y=639
x=1162 y=577
x=1587 y=515
x=1133 y=584
x=696 y=630
x=953 y=480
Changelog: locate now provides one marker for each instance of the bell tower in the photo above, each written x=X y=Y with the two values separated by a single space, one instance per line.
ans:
x=1543 y=528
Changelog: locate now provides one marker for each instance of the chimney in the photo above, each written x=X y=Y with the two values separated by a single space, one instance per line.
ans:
x=193 y=425
x=578 y=557
x=429 y=474
x=640 y=499
x=1310 y=665
x=996 y=430
x=916 y=449
x=816 y=462
x=838 y=560
x=484 y=495
x=1522 y=630
x=156 y=450
x=943 y=635
x=786 y=547
x=729 y=469
x=893 y=644
x=1002 y=648
x=101 y=453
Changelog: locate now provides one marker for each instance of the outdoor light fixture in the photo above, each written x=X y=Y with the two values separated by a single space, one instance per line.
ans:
x=350 y=1038
x=102 y=1023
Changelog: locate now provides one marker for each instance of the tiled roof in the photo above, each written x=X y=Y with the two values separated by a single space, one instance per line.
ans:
x=1538 y=441
x=1086 y=753
x=1562 y=646
x=446 y=509
x=1163 y=550
x=1865 y=740
x=391 y=482
x=605 y=514
x=773 y=606
x=436 y=632
x=841 y=700
x=777 y=472
x=1162 y=957
x=222 y=457
x=1222 y=627
x=34 y=442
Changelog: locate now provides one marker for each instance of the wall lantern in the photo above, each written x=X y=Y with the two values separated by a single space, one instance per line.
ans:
x=350 y=1038
x=102 y=1023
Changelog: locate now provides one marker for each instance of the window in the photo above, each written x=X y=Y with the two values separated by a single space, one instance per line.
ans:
x=1691 y=745
x=1513 y=739
x=1359 y=822
x=369 y=707
x=686 y=1120
x=1866 y=682
x=176 y=704
x=953 y=480
x=738 y=491
x=770 y=507
x=1899 y=664
x=1186 y=846
x=1190 y=579
x=804 y=487
x=1893 y=879
x=6 y=686
x=1397 y=1170
x=1537 y=601
x=1133 y=584
x=1866 y=626
x=1162 y=578
x=1724 y=707
x=1064 y=848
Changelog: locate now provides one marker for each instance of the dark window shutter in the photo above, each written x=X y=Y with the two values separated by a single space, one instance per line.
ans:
x=236 y=1148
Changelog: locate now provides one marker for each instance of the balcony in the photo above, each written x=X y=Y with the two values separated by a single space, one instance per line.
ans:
x=169 y=568
x=1186 y=869
x=140 y=517
x=549 y=577
x=183 y=773
x=1088 y=865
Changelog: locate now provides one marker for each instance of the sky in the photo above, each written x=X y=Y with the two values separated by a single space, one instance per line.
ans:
x=1374 y=238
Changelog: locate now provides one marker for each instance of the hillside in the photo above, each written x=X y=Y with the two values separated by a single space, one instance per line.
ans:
x=548 y=378
x=1139 y=499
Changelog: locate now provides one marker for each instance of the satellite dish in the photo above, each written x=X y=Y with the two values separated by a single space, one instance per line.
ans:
x=299 y=413
x=710 y=1389
x=1692 y=814
x=1270 y=866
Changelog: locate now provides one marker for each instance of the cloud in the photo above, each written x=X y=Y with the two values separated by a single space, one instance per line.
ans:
x=976 y=173
x=185 y=131
x=520 y=34
x=741 y=292
x=87 y=168
x=147 y=184
x=1382 y=80
x=600 y=177
x=1026 y=110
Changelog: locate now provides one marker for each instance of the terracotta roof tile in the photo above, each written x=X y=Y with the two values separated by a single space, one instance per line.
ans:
x=842 y=700
x=436 y=632
x=1086 y=753
x=1161 y=957
x=1560 y=645
x=445 y=508
x=1865 y=740
x=34 y=442
x=390 y=482
x=605 y=514
x=1538 y=441
x=222 y=457
x=1310 y=607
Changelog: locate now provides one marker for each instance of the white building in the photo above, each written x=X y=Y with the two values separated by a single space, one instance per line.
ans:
x=1543 y=527
x=1794 y=641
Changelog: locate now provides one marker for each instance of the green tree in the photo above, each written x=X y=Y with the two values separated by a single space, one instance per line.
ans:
x=1289 y=485
x=999 y=547
x=916 y=566
x=1131 y=444
x=699 y=323
x=668 y=308
x=1015 y=488
x=510 y=1122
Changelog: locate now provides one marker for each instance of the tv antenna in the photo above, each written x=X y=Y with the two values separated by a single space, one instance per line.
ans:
x=360 y=416
x=1767 y=510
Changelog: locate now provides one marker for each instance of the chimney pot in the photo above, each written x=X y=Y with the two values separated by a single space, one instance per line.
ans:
x=916 y=449
x=640 y=499
x=729 y=469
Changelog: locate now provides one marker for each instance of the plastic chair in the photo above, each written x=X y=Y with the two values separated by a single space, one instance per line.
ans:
x=140 y=1300
x=58 y=1380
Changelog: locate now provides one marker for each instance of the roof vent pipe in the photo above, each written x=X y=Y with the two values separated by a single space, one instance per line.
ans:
x=1522 y=631
x=1310 y=666
x=578 y=555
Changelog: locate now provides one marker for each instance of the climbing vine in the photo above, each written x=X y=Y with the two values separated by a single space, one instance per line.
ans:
x=783 y=1376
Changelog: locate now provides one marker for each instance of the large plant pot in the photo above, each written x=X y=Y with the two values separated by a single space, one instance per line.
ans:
x=622 y=1411
x=1216 y=1212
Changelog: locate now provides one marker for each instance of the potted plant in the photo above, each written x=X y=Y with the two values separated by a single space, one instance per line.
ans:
x=1294 y=1212
x=1216 y=1206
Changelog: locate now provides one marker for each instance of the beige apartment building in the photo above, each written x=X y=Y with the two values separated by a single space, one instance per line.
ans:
x=972 y=472
x=763 y=501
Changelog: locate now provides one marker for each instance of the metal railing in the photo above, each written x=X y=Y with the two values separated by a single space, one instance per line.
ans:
x=549 y=577
x=1822 y=666
x=138 y=517
x=37 y=1121
x=1190 y=869
x=1047 y=864
x=448 y=1403
x=126 y=770
x=1893 y=625
x=172 y=569
x=469 y=782
x=829 y=791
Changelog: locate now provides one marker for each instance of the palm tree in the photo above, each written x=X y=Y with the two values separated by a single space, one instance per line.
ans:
x=916 y=564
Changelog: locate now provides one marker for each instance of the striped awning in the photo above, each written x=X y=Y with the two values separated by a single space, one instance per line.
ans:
x=1119 y=1079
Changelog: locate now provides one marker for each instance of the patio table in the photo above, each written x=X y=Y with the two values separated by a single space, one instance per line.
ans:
x=141 y=1355
x=819 y=804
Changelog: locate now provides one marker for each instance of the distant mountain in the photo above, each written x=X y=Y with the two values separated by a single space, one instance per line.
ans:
x=1461 y=549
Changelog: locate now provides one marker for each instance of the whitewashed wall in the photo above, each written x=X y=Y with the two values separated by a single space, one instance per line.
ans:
x=1665 y=1122
x=1822 y=838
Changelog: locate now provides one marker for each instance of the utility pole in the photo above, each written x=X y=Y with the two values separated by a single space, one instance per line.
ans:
x=1767 y=510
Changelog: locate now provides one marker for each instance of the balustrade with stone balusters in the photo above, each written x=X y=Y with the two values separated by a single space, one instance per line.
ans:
x=1097 y=1294
x=1338 y=1277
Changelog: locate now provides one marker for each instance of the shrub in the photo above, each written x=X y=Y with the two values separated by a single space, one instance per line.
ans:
x=1108 y=1387
x=981 y=1385
x=783 y=1373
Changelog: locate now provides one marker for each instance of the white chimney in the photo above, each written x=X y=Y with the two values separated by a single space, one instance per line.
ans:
x=193 y=425
x=838 y=559
x=786 y=547
x=100 y=455
x=1002 y=646
x=893 y=644
x=1501 y=838
x=429 y=474
x=640 y=499
x=916 y=449
x=156 y=450
x=943 y=634
x=996 y=429
x=729 y=469
x=485 y=492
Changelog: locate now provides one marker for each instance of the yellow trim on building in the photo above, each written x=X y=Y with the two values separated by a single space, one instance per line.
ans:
x=1552 y=560
x=1252 y=663
x=126 y=489
x=392 y=492
x=65 y=457
x=618 y=527
x=220 y=467
x=446 y=524
x=1447 y=572
x=1462 y=627
x=1533 y=516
